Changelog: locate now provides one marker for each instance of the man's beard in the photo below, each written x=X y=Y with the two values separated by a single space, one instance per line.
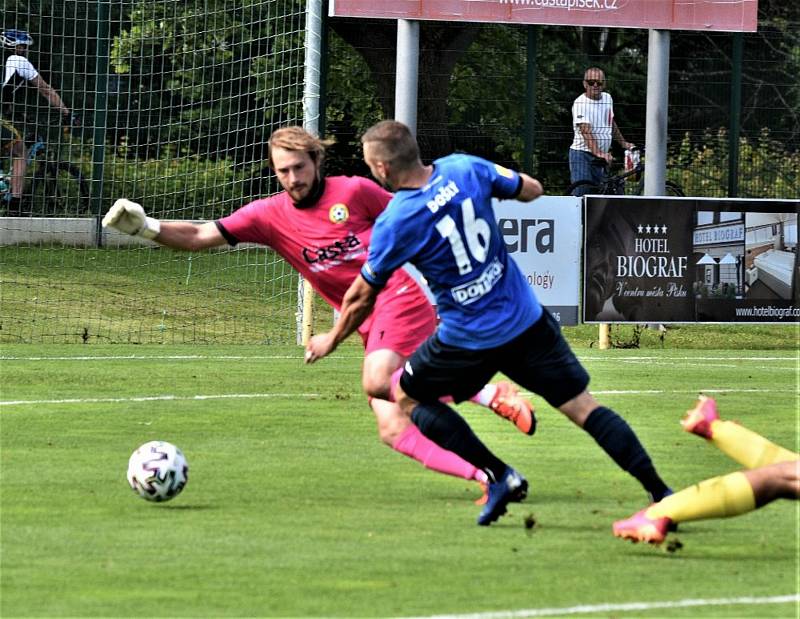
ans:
x=313 y=195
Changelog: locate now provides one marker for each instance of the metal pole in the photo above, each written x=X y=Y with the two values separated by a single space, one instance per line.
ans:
x=656 y=115
x=736 y=116
x=100 y=117
x=530 y=97
x=313 y=62
x=311 y=97
x=323 y=76
x=405 y=94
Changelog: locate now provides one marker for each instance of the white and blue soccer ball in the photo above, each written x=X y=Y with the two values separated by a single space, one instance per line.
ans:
x=158 y=471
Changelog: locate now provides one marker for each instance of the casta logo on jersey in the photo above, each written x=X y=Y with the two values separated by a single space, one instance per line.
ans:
x=337 y=249
x=338 y=213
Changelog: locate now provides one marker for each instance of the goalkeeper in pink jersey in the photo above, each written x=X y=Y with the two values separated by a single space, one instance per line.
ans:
x=322 y=227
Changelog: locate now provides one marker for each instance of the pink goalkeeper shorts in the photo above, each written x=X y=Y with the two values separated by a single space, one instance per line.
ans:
x=402 y=319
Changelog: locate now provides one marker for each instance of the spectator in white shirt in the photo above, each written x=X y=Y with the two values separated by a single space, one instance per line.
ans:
x=595 y=128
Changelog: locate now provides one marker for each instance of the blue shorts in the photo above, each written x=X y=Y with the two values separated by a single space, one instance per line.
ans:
x=539 y=360
x=584 y=166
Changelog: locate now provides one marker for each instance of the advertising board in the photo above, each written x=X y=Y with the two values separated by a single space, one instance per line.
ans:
x=690 y=260
x=703 y=15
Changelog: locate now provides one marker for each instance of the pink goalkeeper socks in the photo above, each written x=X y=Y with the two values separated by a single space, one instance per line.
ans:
x=414 y=444
x=395 y=381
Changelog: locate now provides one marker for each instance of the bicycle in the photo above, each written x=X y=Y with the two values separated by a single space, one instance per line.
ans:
x=56 y=187
x=616 y=185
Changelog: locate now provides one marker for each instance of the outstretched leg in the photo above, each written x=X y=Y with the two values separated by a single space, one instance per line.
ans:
x=749 y=449
x=719 y=497
x=774 y=473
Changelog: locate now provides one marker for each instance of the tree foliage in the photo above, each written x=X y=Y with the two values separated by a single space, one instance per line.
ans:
x=766 y=169
x=217 y=78
x=209 y=81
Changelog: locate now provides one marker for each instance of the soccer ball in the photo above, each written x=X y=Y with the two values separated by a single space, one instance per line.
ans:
x=158 y=471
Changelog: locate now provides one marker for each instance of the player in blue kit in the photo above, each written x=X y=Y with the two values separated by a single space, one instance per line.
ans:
x=441 y=220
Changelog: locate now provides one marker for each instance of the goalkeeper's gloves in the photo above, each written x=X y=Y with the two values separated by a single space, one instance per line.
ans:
x=130 y=218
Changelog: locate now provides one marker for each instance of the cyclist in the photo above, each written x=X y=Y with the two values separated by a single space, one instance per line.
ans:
x=594 y=128
x=19 y=72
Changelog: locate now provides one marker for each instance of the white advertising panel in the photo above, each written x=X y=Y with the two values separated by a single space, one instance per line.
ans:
x=544 y=237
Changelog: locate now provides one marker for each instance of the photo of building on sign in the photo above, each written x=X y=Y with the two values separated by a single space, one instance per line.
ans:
x=718 y=255
x=770 y=256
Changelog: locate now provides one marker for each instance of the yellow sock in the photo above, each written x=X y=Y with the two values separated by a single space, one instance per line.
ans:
x=718 y=497
x=746 y=447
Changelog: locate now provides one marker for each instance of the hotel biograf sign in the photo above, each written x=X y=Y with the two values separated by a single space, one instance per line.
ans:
x=689 y=260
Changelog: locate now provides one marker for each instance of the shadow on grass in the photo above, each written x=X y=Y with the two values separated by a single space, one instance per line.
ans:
x=183 y=507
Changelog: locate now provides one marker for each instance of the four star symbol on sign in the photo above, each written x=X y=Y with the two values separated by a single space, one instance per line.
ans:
x=648 y=229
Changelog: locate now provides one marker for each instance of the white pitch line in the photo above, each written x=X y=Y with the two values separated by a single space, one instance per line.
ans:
x=613 y=358
x=233 y=396
x=161 y=398
x=706 y=364
x=153 y=357
x=604 y=608
x=691 y=358
x=663 y=391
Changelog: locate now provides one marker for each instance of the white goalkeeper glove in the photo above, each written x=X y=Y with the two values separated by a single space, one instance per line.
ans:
x=130 y=218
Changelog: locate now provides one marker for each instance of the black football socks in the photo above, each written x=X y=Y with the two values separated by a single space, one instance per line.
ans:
x=619 y=441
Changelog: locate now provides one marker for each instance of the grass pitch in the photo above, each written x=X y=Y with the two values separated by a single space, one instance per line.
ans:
x=294 y=508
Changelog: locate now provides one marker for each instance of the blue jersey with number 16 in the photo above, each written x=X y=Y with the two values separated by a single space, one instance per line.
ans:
x=447 y=229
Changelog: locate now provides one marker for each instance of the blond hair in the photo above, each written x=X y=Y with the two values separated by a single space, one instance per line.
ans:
x=393 y=143
x=296 y=138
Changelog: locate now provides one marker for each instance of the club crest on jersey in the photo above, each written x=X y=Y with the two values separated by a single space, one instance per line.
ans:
x=338 y=213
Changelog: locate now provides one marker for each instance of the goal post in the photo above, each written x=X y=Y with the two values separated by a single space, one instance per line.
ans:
x=311 y=115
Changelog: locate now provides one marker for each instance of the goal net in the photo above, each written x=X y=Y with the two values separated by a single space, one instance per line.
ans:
x=166 y=103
